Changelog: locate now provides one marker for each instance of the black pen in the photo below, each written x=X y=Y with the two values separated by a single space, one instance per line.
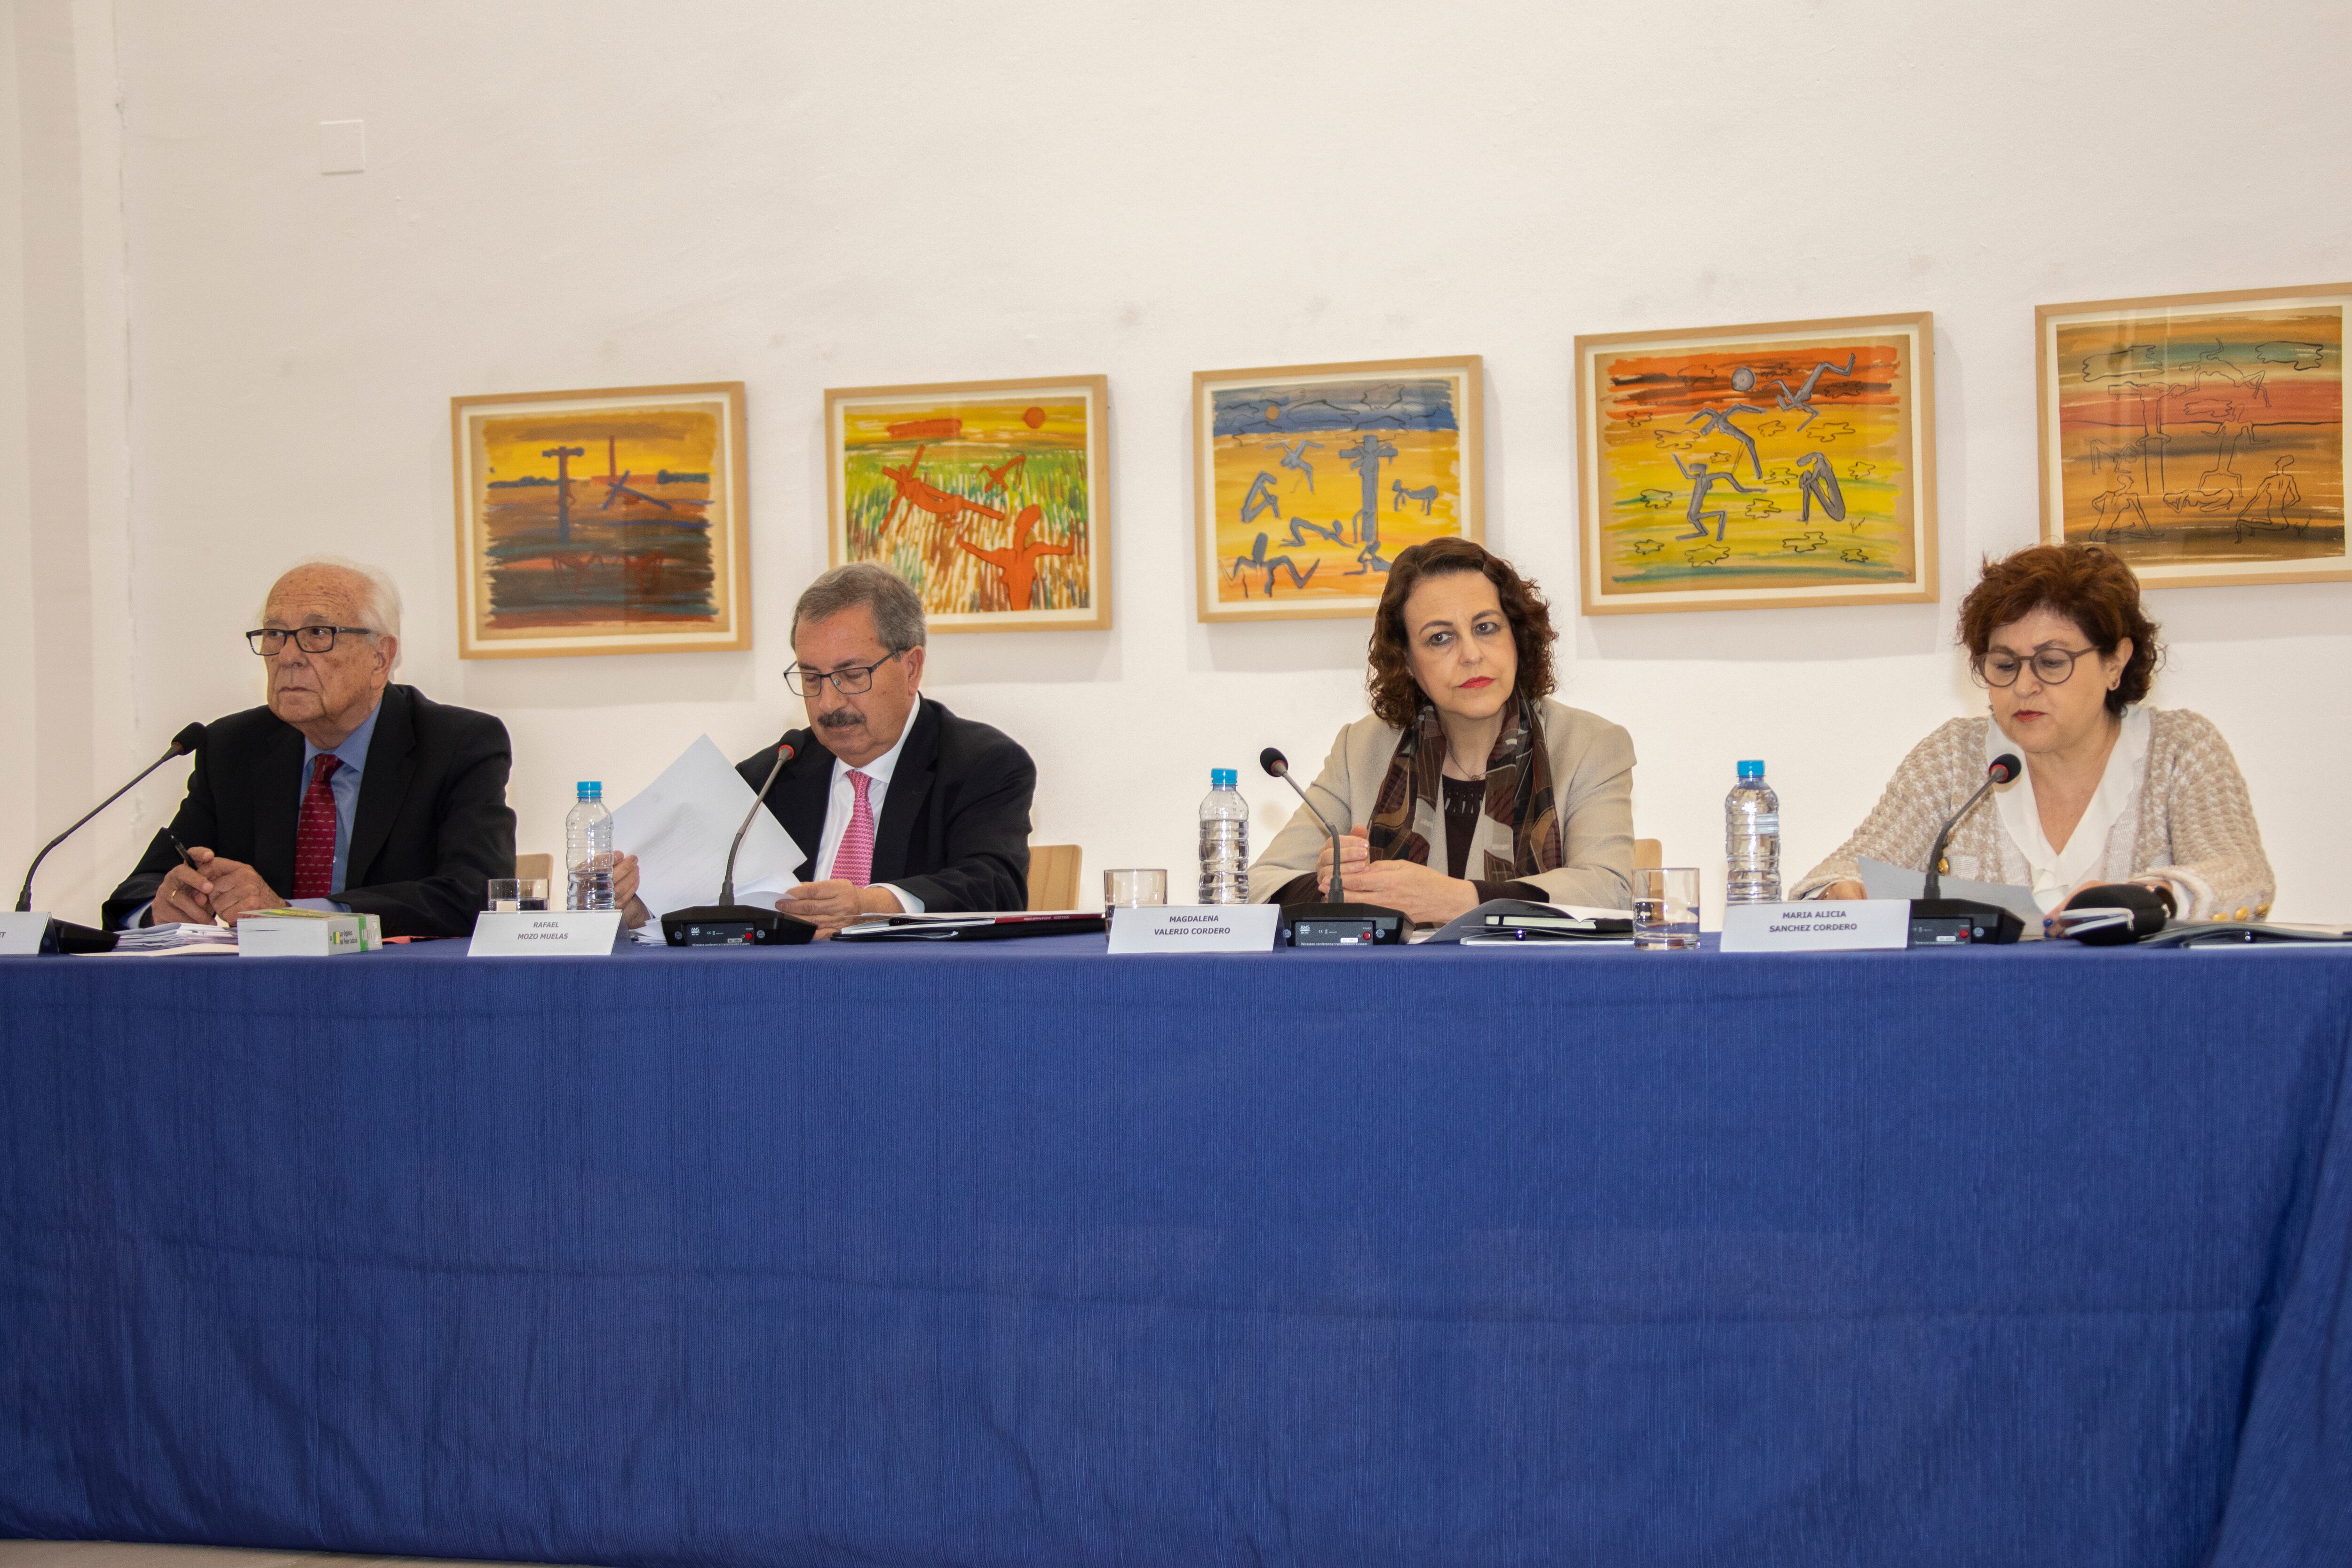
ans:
x=186 y=859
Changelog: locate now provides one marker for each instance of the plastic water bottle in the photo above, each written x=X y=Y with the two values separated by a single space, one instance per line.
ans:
x=1751 y=838
x=588 y=851
x=1225 y=840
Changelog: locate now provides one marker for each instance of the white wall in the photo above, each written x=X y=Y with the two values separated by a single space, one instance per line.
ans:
x=802 y=195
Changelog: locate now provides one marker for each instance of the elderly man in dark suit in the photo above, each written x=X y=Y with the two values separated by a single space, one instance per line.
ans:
x=345 y=792
x=898 y=804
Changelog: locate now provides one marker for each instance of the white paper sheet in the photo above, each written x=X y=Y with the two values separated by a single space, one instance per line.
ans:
x=1881 y=880
x=680 y=826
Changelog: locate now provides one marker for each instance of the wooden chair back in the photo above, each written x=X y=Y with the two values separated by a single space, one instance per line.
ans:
x=1648 y=853
x=535 y=866
x=1053 y=875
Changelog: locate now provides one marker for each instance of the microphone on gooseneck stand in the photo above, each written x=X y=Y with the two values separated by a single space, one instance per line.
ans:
x=1938 y=921
x=728 y=924
x=1338 y=924
x=79 y=938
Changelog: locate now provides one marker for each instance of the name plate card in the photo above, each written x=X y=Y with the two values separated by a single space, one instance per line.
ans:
x=20 y=935
x=1864 y=925
x=1195 y=928
x=544 y=933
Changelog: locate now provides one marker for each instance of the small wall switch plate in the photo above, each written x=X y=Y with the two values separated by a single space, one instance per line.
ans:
x=343 y=147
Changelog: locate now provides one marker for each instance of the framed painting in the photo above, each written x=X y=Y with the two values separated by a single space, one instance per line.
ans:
x=987 y=497
x=1308 y=479
x=651 y=555
x=2199 y=436
x=1786 y=465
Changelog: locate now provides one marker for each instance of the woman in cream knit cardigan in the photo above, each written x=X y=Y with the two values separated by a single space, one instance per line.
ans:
x=1466 y=782
x=2113 y=791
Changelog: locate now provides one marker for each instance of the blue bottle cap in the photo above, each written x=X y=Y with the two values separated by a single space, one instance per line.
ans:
x=1224 y=778
x=1752 y=770
x=592 y=789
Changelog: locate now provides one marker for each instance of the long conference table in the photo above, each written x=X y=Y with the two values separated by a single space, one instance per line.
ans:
x=1020 y=1253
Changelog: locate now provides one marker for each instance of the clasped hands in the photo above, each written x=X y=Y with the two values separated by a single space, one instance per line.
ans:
x=827 y=906
x=218 y=888
x=1424 y=895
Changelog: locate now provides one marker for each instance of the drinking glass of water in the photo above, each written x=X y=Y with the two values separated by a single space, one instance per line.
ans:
x=1665 y=907
x=517 y=893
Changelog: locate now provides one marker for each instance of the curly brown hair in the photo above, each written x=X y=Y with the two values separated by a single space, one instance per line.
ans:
x=2088 y=585
x=1397 y=697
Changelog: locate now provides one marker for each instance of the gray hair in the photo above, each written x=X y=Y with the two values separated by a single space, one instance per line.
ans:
x=379 y=600
x=896 y=608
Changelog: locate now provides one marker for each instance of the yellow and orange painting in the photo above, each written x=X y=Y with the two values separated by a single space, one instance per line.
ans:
x=601 y=522
x=1758 y=466
x=1312 y=478
x=2201 y=437
x=986 y=496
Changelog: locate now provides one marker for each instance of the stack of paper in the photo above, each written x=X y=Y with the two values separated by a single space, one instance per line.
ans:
x=178 y=940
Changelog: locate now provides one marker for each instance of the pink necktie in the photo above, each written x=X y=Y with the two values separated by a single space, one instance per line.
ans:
x=314 y=834
x=853 y=861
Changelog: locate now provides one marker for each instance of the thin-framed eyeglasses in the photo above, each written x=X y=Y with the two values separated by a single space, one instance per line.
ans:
x=2052 y=665
x=849 y=680
x=267 y=639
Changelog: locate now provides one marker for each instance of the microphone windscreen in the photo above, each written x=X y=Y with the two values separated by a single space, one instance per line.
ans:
x=2145 y=906
x=1274 y=762
x=188 y=739
x=2005 y=768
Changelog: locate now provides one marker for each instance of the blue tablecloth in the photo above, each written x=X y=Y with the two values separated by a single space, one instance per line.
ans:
x=1016 y=1253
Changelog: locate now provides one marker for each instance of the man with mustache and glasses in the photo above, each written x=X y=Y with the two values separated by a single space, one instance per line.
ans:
x=909 y=807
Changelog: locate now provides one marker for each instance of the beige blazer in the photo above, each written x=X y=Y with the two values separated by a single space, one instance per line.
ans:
x=1592 y=790
x=2190 y=823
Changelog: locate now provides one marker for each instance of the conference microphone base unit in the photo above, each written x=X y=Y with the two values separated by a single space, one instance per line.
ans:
x=1342 y=925
x=734 y=926
x=1955 y=921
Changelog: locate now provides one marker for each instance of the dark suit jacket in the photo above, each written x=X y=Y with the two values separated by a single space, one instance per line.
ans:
x=431 y=828
x=954 y=828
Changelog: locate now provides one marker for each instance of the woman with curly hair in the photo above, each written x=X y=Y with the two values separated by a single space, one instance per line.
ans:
x=1466 y=782
x=2113 y=791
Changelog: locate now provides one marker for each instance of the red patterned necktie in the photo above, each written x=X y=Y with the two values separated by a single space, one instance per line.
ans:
x=853 y=861
x=314 y=836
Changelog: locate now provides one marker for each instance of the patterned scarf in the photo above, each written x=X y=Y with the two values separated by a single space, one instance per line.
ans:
x=1407 y=816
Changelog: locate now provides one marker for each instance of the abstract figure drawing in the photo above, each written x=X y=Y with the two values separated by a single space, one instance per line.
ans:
x=1720 y=418
x=2276 y=496
x=1369 y=560
x=1802 y=398
x=1018 y=563
x=1817 y=485
x=1702 y=481
x=2117 y=502
x=1364 y=457
x=917 y=495
x=997 y=477
x=1298 y=540
x=1261 y=498
x=1259 y=558
x=1399 y=495
x=1295 y=456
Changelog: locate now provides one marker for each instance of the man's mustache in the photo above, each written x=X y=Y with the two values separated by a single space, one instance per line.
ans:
x=840 y=718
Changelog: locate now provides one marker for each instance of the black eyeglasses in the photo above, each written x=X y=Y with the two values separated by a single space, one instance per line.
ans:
x=2052 y=665
x=271 y=640
x=849 y=680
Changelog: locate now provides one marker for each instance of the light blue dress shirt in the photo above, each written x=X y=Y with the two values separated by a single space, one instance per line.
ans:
x=344 y=785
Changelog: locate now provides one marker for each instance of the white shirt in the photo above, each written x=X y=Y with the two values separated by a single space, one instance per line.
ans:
x=2057 y=872
x=843 y=799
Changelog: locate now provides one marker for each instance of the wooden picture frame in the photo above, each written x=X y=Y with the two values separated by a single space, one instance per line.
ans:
x=1823 y=432
x=996 y=510
x=1255 y=440
x=2199 y=436
x=652 y=557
